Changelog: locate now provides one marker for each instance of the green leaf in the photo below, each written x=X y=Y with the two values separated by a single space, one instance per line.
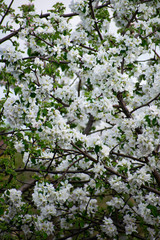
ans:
x=32 y=95
x=48 y=124
x=29 y=52
x=154 y=210
x=1 y=210
x=97 y=148
x=45 y=112
x=17 y=90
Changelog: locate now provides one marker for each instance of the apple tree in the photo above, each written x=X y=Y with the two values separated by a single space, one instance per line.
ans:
x=80 y=121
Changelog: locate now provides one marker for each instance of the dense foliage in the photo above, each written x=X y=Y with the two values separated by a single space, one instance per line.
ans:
x=80 y=121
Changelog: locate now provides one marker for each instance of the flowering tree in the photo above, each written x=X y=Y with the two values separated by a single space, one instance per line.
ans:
x=80 y=122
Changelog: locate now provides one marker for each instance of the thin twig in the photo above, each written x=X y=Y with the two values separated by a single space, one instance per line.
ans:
x=46 y=15
x=156 y=53
x=146 y=104
x=60 y=101
x=84 y=153
x=99 y=130
x=127 y=156
x=11 y=132
x=94 y=160
x=95 y=22
x=6 y=12
x=66 y=171
x=46 y=59
x=151 y=189
x=130 y=21
x=50 y=164
x=67 y=15
x=33 y=34
x=89 y=48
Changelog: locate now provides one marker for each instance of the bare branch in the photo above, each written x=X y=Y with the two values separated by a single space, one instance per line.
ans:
x=79 y=87
x=94 y=160
x=104 y=5
x=45 y=15
x=144 y=1
x=99 y=130
x=148 y=35
x=50 y=163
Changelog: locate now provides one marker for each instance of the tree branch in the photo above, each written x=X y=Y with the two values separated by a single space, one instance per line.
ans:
x=10 y=36
x=130 y=21
x=47 y=15
x=12 y=132
x=34 y=170
x=123 y=105
x=95 y=22
x=84 y=153
x=96 y=161
x=28 y=185
x=33 y=34
x=146 y=104
x=127 y=156
x=66 y=171
x=89 y=125
x=151 y=189
x=60 y=101
x=6 y=12
x=67 y=15
x=156 y=53
x=157 y=177
x=46 y=59
x=89 y=48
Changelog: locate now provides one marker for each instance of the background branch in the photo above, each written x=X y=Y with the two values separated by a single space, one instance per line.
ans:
x=5 y=14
